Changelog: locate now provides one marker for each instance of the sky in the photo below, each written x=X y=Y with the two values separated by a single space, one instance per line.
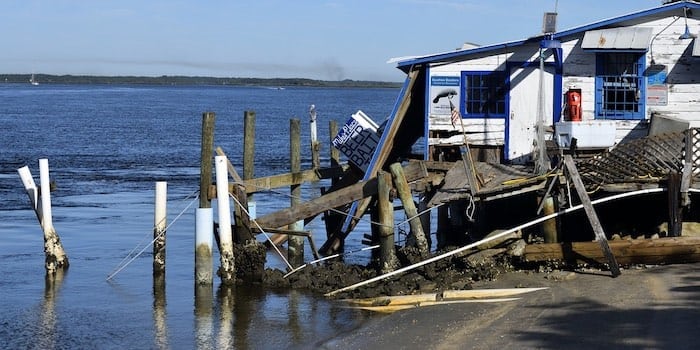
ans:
x=317 y=39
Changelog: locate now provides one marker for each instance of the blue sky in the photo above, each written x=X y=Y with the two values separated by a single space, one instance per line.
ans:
x=319 y=39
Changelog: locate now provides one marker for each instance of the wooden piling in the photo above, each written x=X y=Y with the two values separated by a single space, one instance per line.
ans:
x=295 y=243
x=315 y=145
x=335 y=153
x=207 y=153
x=387 y=259
x=409 y=206
x=425 y=217
x=204 y=217
x=549 y=227
x=227 y=270
x=159 y=225
x=592 y=216
x=249 y=147
x=675 y=217
x=53 y=248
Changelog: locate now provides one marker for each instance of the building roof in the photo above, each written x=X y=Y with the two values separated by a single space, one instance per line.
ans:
x=656 y=12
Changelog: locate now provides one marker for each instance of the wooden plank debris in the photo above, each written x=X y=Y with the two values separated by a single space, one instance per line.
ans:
x=403 y=302
x=413 y=171
x=283 y=180
x=638 y=251
x=592 y=216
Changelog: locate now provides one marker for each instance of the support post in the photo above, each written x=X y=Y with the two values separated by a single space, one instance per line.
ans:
x=592 y=216
x=549 y=227
x=335 y=153
x=675 y=217
x=315 y=145
x=387 y=259
x=204 y=239
x=159 y=227
x=425 y=217
x=227 y=270
x=55 y=255
x=409 y=206
x=295 y=243
x=204 y=215
x=207 y=153
x=249 y=148
x=53 y=249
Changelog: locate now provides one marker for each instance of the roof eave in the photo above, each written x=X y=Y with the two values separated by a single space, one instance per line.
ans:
x=454 y=55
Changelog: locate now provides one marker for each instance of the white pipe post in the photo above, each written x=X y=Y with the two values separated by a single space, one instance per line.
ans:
x=45 y=183
x=315 y=145
x=160 y=219
x=204 y=231
x=32 y=191
x=53 y=249
x=227 y=270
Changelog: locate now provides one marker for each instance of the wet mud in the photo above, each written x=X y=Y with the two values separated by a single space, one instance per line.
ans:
x=456 y=272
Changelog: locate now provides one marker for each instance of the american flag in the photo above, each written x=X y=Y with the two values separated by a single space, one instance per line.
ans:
x=455 y=116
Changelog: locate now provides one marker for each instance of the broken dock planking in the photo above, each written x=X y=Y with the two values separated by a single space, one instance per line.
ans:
x=387 y=304
x=445 y=183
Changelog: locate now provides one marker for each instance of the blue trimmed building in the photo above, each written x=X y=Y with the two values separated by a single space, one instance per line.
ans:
x=629 y=73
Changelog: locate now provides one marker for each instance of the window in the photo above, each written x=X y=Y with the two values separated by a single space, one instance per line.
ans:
x=620 y=86
x=484 y=94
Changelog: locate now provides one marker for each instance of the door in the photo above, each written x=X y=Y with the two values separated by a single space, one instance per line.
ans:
x=524 y=108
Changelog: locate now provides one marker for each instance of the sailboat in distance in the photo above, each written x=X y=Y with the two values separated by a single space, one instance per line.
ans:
x=33 y=80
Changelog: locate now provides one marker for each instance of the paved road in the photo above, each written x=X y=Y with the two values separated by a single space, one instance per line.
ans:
x=650 y=308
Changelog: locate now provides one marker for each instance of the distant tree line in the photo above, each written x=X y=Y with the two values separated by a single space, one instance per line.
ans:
x=186 y=80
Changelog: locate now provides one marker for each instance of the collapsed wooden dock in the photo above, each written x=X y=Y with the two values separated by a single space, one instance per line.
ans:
x=475 y=198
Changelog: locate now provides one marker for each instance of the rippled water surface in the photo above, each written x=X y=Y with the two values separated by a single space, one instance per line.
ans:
x=107 y=146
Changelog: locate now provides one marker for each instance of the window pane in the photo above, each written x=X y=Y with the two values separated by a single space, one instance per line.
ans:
x=620 y=78
x=483 y=94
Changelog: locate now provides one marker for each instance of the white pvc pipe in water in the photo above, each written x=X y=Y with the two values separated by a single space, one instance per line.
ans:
x=45 y=183
x=204 y=239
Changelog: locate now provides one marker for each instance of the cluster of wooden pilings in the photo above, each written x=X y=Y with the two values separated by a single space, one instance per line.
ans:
x=242 y=229
x=287 y=225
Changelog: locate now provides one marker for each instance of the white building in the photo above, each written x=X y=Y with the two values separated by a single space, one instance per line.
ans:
x=628 y=73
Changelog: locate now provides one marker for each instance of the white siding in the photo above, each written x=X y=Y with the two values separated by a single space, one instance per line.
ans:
x=579 y=69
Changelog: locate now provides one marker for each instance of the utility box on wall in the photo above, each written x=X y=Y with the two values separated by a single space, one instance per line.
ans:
x=588 y=134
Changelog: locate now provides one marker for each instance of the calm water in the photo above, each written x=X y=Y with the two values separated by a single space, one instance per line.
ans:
x=107 y=146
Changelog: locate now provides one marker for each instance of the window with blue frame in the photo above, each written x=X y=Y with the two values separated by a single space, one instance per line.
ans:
x=484 y=94
x=620 y=85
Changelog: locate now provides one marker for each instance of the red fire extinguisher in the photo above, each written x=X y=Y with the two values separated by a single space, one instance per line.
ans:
x=573 y=102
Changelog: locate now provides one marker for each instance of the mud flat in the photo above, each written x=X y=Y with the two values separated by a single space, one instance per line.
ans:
x=650 y=307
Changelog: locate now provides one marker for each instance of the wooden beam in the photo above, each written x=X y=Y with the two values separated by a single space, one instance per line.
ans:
x=289 y=179
x=592 y=216
x=639 y=251
x=413 y=171
x=281 y=231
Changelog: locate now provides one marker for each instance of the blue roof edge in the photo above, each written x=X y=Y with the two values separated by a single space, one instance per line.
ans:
x=405 y=65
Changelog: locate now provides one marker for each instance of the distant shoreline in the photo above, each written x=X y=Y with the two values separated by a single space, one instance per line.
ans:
x=195 y=80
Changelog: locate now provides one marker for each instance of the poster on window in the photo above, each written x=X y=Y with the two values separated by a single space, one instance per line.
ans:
x=657 y=89
x=443 y=90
